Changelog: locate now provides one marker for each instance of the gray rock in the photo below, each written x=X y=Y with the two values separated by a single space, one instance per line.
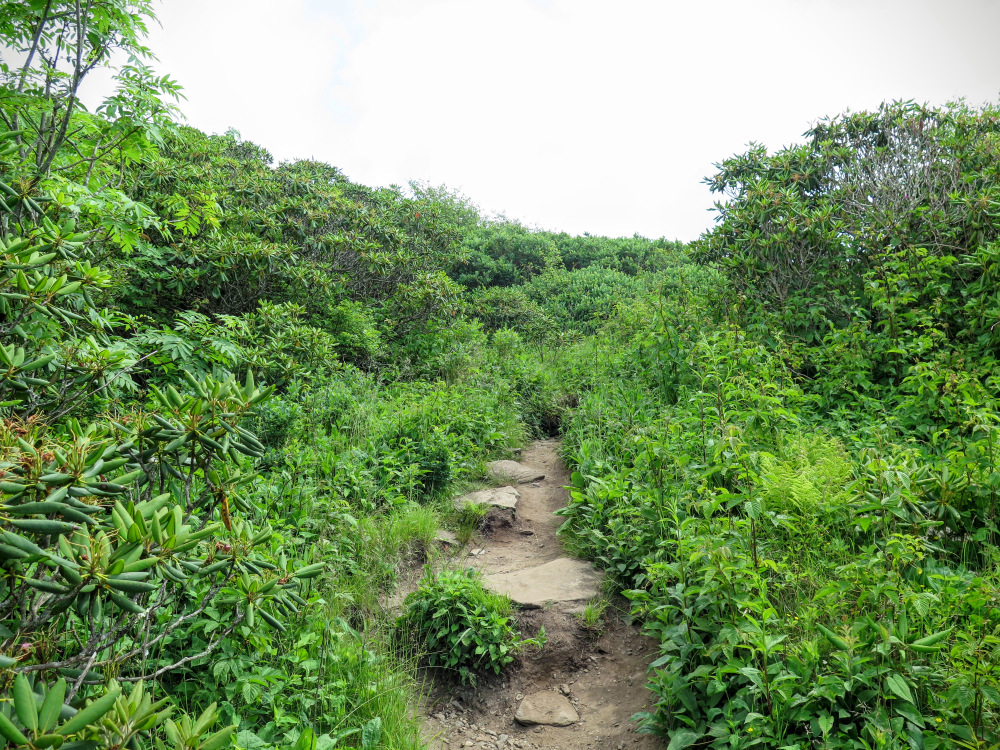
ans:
x=512 y=471
x=546 y=708
x=447 y=538
x=498 y=497
x=561 y=581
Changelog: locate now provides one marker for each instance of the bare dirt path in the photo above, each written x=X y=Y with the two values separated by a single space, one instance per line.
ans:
x=602 y=672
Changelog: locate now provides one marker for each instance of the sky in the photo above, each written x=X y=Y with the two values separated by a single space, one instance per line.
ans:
x=569 y=115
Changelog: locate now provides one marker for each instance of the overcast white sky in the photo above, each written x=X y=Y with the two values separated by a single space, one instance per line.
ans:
x=571 y=115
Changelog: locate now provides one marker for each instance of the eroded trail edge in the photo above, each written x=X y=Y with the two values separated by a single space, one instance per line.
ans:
x=591 y=680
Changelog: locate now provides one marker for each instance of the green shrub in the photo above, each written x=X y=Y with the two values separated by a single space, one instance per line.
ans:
x=477 y=421
x=500 y=308
x=501 y=254
x=431 y=455
x=504 y=253
x=583 y=299
x=445 y=351
x=461 y=625
x=274 y=421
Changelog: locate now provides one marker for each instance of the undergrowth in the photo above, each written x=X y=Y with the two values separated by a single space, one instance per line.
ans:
x=236 y=399
x=460 y=626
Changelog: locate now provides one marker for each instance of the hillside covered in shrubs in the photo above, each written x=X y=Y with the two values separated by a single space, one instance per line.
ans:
x=237 y=395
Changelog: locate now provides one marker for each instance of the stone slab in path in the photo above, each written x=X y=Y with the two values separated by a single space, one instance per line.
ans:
x=563 y=580
x=549 y=708
x=512 y=471
x=498 y=497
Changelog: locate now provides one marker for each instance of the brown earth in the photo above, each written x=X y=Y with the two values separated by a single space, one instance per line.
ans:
x=603 y=673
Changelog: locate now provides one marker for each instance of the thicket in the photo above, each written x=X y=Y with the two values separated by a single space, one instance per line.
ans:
x=789 y=464
x=236 y=395
x=190 y=559
x=499 y=252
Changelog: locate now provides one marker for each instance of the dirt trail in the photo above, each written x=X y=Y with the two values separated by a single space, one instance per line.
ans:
x=602 y=673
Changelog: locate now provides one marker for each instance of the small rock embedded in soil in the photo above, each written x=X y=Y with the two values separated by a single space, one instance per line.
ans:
x=498 y=497
x=446 y=538
x=548 y=708
x=512 y=471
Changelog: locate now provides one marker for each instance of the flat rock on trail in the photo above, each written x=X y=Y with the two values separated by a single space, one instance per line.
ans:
x=601 y=675
x=562 y=581
x=514 y=471
x=497 y=497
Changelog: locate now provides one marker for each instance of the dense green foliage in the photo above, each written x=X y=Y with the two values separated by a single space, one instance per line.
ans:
x=462 y=626
x=235 y=397
x=503 y=253
x=173 y=534
x=798 y=487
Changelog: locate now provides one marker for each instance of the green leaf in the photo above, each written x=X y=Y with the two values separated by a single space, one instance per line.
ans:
x=306 y=740
x=683 y=738
x=371 y=735
x=10 y=732
x=49 y=713
x=91 y=713
x=909 y=711
x=897 y=685
x=310 y=571
x=42 y=526
x=24 y=703
x=834 y=639
x=933 y=639
x=250 y=741
x=825 y=723
x=219 y=739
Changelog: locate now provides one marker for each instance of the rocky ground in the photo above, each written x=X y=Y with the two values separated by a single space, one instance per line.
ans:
x=581 y=689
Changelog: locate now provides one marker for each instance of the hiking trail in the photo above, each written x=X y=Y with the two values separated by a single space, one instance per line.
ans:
x=585 y=683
